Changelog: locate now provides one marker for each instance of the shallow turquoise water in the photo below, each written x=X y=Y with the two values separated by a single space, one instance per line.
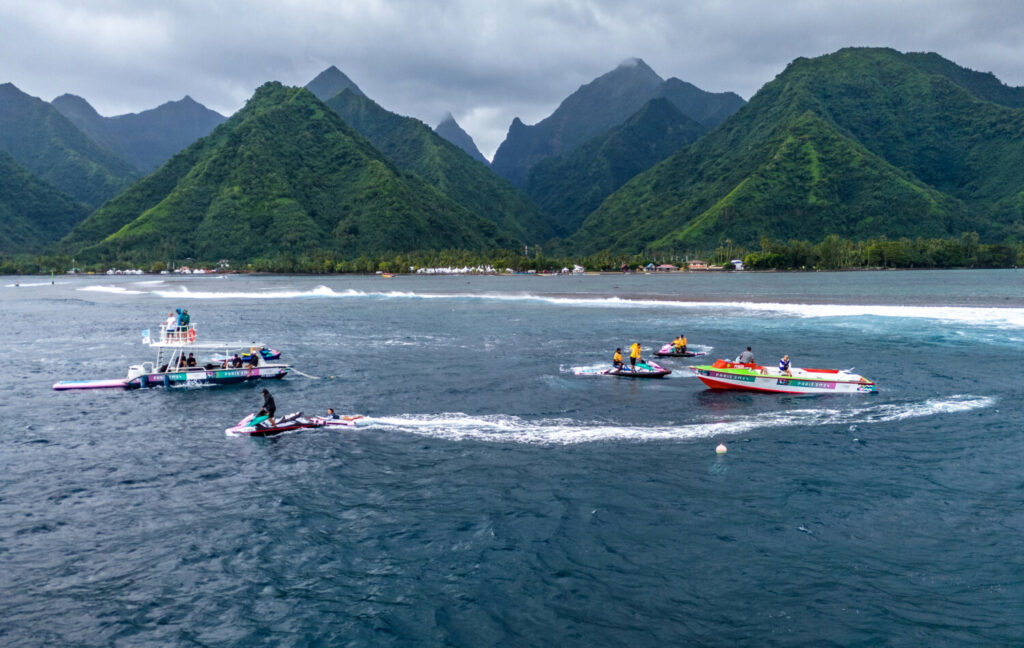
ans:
x=498 y=499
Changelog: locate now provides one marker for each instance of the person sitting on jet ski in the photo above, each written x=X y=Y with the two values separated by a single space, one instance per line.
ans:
x=617 y=359
x=269 y=407
x=679 y=344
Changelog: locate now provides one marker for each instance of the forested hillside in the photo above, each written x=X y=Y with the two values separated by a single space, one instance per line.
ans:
x=858 y=143
x=284 y=176
x=570 y=186
x=47 y=144
x=413 y=147
x=33 y=214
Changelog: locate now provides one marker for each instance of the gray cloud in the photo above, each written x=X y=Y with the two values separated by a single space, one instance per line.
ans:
x=486 y=61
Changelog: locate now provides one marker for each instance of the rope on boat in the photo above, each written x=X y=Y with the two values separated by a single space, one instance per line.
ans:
x=294 y=370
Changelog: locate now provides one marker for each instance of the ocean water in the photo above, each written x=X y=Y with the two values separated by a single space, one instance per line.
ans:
x=496 y=499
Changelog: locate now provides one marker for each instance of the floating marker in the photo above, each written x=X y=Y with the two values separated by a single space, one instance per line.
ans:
x=721 y=449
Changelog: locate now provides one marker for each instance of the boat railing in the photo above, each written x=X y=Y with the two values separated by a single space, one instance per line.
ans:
x=178 y=334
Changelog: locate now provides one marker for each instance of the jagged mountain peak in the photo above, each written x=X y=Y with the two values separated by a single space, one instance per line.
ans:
x=449 y=129
x=330 y=82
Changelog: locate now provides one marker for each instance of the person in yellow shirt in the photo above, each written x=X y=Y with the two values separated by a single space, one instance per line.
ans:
x=634 y=356
x=679 y=344
x=617 y=359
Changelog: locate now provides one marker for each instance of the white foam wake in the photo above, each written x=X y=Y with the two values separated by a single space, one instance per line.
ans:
x=985 y=316
x=512 y=429
x=117 y=290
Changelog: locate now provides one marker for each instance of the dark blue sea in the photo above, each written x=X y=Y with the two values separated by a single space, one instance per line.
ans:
x=495 y=498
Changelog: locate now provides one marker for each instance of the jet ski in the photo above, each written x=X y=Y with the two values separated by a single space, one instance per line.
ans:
x=267 y=354
x=259 y=425
x=669 y=351
x=643 y=370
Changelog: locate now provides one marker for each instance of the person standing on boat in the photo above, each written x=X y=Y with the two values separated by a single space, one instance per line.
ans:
x=170 y=326
x=634 y=356
x=746 y=357
x=617 y=359
x=784 y=366
x=269 y=407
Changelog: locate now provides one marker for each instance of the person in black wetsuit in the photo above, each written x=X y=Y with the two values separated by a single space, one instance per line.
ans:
x=269 y=407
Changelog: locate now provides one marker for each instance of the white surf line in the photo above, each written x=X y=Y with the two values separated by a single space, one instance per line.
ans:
x=117 y=290
x=512 y=429
x=990 y=316
x=33 y=284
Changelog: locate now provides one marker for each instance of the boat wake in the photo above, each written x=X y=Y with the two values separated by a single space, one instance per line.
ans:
x=512 y=429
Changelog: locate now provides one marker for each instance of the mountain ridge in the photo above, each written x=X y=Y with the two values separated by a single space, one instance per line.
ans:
x=597 y=106
x=148 y=138
x=415 y=148
x=920 y=141
x=283 y=176
x=50 y=146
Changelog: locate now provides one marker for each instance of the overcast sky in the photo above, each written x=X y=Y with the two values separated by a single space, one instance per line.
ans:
x=486 y=61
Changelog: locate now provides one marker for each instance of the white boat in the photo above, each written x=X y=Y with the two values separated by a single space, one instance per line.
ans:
x=724 y=374
x=170 y=369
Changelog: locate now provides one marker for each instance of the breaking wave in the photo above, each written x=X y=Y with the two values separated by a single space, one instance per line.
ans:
x=117 y=290
x=984 y=316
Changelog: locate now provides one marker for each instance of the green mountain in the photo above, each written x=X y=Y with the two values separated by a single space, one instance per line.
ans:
x=983 y=85
x=860 y=143
x=451 y=131
x=570 y=186
x=33 y=214
x=413 y=147
x=51 y=147
x=284 y=175
x=146 y=139
x=604 y=103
